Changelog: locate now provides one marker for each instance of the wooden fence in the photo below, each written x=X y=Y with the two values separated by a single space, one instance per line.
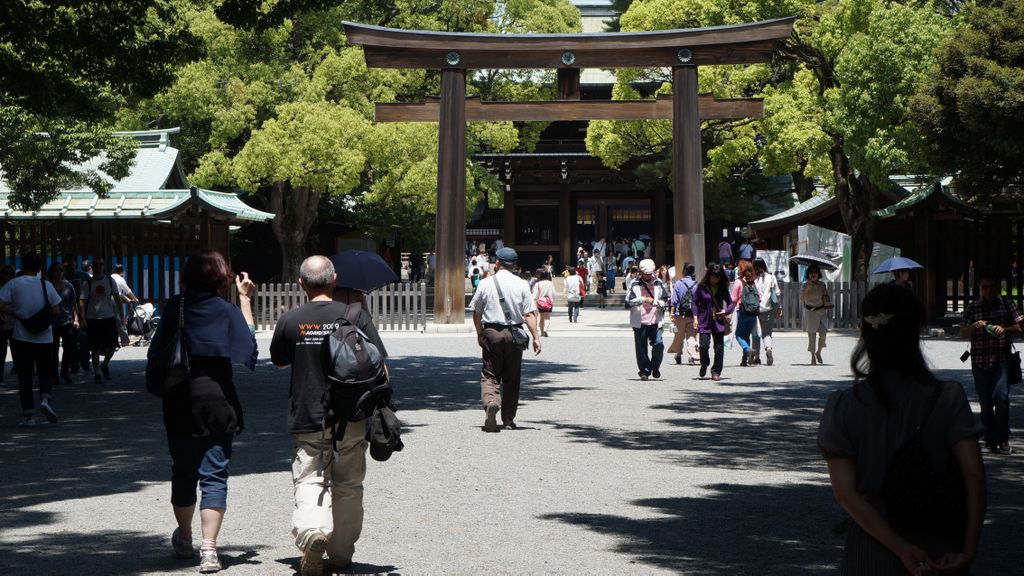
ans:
x=846 y=297
x=399 y=306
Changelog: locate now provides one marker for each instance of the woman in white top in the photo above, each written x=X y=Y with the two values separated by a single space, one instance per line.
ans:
x=771 y=308
x=574 y=293
x=544 y=297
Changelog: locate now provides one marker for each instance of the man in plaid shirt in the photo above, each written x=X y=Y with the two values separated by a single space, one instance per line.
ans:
x=990 y=322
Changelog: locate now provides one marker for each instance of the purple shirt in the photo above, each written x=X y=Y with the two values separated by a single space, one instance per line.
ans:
x=703 y=309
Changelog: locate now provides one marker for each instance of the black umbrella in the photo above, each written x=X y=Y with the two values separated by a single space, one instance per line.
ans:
x=363 y=271
x=809 y=258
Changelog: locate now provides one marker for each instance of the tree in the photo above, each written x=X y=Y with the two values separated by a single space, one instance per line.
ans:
x=837 y=103
x=971 y=107
x=65 y=67
x=868 y=58
x=271 y=73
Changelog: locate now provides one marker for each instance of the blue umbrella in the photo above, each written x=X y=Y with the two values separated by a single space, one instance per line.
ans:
x=363 y=271
x=896 y=263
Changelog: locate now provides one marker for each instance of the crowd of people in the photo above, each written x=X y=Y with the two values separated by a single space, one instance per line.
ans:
x=58 y=322
x=925 y=519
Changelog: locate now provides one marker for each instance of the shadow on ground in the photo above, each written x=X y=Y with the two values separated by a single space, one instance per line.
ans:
x=761 y=529
x=452 y=383
x=111 y=440
x=737 y=529
x=107 y=551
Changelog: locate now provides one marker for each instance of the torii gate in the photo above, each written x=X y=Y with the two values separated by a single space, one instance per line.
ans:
x=455 y=52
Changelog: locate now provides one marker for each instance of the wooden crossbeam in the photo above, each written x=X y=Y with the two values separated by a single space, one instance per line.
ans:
x=552 y=110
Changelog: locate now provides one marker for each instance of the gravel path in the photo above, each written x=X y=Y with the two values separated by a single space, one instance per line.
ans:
x=606 y=475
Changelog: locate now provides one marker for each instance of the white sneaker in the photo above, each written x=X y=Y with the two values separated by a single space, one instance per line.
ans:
x=28 y=422
x=48 y=411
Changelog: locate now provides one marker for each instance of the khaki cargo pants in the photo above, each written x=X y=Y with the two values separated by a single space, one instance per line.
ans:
x=332 y=502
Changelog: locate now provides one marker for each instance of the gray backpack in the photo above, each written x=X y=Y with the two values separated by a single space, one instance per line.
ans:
x=355 y=370
x=358 y=387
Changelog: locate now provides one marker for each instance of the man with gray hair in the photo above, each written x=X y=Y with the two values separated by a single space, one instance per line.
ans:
x=328 y=514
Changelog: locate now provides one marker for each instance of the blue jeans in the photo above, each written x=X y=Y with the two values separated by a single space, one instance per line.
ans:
x=200 y=460
x=642 y=337
x=745 y=324
x=994 y=396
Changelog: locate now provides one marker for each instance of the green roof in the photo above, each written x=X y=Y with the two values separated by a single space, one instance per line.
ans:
x=934 y=192
x=136 y=205
x=155 y=189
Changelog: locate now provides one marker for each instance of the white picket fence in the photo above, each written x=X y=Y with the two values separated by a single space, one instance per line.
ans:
x=399 y=306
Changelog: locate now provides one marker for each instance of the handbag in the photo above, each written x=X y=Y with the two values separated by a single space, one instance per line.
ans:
x=1013 y=367
x=725 y=321
x=519 y=336
x=773 y=298
x=42 y=319
x=167 y=365
x=545 y=304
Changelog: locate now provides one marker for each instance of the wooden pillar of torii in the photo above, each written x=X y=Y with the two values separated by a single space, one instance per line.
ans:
x=455 y=52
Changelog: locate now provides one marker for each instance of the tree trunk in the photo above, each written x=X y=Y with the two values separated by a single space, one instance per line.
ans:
x=295 y=209
x=804 y=186
x=856 y=201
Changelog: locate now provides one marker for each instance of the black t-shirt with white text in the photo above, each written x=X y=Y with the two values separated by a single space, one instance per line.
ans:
x=297 y=342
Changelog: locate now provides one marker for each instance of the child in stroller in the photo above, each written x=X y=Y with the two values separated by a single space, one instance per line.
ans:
x=143 y=323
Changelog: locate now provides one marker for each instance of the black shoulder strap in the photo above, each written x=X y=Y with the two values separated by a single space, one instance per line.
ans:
x=501 y=298
x=352 y=312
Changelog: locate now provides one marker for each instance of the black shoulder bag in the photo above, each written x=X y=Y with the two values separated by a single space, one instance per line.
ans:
x=519 y=336
x=41 y=320
x=917 y=495
x=167 y=365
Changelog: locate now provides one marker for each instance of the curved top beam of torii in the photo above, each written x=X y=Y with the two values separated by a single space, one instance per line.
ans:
x=735 y=44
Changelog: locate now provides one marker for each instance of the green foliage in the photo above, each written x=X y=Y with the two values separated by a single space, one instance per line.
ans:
x=795 y=141
x=971 y=108
x=878 y=72
x=854 y=66
x=281 y=102
x=65 y=67
x=731 y=147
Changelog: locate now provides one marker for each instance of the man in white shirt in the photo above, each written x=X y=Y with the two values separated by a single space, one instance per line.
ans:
x=101 y=313
x=124 y=291
x=495 y=322
x=32 y=341
x=600 y=248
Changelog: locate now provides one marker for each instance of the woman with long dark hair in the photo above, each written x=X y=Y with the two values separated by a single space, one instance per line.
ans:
x=712 y=306
x=203 y=416
x=902 y=451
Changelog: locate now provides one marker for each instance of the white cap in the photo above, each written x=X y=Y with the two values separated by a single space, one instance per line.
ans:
x=647 y=266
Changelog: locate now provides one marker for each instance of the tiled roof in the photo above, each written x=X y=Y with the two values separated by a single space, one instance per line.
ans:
x=922 y=191
x=135 y=205
x=818 y=203
x=143 y=194
x=155 y=164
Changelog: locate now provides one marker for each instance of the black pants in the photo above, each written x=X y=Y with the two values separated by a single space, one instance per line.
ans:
x=64 y=337
x=28 y=357
x=84 y=355
x=705 y=344
x=5 y=338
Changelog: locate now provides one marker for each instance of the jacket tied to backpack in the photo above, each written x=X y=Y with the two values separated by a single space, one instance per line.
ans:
x=358 y=387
